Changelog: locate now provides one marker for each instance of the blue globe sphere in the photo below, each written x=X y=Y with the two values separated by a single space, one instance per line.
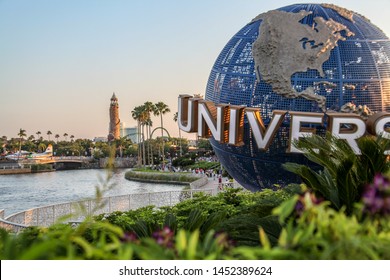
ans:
x=303 y=57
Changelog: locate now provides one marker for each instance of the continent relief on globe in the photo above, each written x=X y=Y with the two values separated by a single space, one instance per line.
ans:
x=285 y=46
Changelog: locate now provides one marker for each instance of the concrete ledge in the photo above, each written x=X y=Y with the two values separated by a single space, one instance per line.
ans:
x=158 y=181
x=199 y=183
x=15 y=171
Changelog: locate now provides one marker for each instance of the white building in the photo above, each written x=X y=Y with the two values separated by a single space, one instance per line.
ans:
x=129 y=132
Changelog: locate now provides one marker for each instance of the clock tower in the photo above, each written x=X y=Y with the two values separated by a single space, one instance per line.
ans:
x=114 y=128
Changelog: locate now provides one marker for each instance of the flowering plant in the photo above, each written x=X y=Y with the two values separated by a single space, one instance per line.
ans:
x=376 y=197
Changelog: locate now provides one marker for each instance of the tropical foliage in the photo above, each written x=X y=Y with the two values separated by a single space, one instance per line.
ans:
x=78 y=147
x=233 y=225
x=160 y=177
x=342 y=174
x=315 y=220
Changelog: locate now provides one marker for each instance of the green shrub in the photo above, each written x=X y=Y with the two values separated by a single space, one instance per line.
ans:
x=344 y=174
x=41 y=167
x=161 y=176
x=321 y=232
x=301 y=227
x=236 y=212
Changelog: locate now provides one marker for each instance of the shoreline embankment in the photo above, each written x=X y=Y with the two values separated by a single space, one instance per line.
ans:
x=166 y=178
x=14 y=171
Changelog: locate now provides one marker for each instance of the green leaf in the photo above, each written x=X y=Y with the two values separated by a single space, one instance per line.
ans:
x=192 y=245
x=181 y=242
x=286 y=209
x=264 y=239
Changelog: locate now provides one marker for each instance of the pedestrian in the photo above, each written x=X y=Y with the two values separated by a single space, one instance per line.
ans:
x=220 y=182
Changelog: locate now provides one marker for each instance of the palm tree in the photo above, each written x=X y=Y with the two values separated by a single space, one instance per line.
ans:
x=144 y=119
x=149 y=108
x=71 y=138
x=57 y=136
x=175 y=118
x=38 y=133
x=21 y=134
x=161 y=109
x=66 y=136
x=48 y=134
x=137 y=114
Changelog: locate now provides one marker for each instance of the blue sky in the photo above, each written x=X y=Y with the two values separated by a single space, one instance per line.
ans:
x=60 y=61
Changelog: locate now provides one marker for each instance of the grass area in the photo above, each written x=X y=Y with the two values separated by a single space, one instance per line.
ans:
x=157 y=176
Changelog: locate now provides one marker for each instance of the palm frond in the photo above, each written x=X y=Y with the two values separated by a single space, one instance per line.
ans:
x=343 y=173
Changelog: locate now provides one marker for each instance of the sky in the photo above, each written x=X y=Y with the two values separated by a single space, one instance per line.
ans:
x=61 y=61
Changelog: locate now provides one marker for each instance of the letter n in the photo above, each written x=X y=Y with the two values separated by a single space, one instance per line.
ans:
x=213 y=121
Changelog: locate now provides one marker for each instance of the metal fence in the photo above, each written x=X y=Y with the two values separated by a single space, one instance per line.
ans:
x=10 y=167
x=78 y=211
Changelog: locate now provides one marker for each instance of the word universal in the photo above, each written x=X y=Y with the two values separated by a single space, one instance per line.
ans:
x=225 y=123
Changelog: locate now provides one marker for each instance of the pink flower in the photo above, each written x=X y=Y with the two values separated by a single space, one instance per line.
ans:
x=376 y=197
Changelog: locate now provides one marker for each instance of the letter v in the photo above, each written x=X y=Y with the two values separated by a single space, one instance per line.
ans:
x=263 y=135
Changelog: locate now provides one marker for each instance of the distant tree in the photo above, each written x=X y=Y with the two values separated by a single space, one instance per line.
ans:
x=41 y=147
x=71 y=138
x=121 y=144
x=139 y=115
x=149 y=108
x=48 y=134
x=175 y=118
x=57 y=136
x=205 y=144
x=31 y=138
x=38 y=133
x=21 y=134
x=66 y=136
x=2 y=146
x=161 y=109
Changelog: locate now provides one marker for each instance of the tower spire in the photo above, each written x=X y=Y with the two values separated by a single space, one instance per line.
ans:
x=114 y=128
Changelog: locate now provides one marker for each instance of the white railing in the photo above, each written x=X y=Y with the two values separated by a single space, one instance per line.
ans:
x=8 y=225
x=48 y=215
x=10 y=167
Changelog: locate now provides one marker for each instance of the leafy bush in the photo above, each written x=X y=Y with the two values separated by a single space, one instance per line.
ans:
x=183 y=161
x=236 y=212
x=161 y=177
x=41 y=167
x=301 y=227
x=320 y=232
x=344 y=174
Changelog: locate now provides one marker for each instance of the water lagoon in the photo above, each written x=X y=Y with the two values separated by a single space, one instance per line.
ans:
x=26 y=191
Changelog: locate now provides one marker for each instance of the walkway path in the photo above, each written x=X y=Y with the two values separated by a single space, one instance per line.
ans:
x=213 y=183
